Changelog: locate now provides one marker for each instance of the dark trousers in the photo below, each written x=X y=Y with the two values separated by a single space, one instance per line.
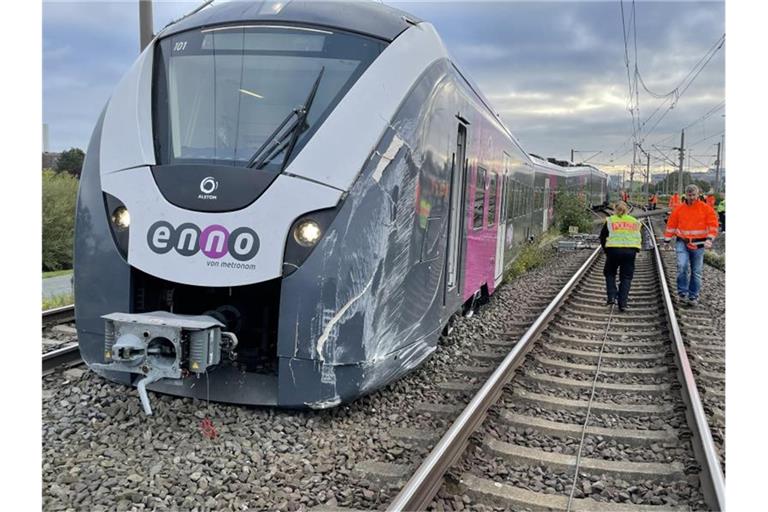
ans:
x=623 y=261
x=722 y=221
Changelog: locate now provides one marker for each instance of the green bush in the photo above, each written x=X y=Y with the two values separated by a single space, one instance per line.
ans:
x=531 y=256
x=71 y=161
x=59 y=198
x=571 y=210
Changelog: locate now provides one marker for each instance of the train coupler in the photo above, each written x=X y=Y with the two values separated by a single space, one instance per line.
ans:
x=161 y=345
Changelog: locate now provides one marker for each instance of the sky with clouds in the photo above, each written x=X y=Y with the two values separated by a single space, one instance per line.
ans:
x=555 y=71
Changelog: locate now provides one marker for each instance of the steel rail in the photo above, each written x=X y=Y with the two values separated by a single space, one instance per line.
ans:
x=68 y=355
x=59 y=315
x=712 y=480
x=424 y=484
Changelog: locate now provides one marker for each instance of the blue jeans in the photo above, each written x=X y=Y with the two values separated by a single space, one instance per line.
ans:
x=689 y=282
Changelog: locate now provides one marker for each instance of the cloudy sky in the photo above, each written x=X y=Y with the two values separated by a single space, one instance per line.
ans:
x=557 y=72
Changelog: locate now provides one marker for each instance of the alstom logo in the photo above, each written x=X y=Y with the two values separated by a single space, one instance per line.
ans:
x=207 y=187
x=214 y=241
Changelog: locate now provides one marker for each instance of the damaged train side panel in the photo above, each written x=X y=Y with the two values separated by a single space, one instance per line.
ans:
x=368 y=306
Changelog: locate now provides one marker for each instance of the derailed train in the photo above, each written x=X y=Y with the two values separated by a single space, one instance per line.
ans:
x=291 y=201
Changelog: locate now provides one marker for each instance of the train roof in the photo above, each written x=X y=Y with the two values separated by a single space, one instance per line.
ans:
x=364 y=17
x=563 y=167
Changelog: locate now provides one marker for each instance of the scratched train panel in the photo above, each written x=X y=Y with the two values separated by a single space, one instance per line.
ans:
x=285 y=205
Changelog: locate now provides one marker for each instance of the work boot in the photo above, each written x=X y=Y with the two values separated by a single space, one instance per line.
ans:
x=693 y=302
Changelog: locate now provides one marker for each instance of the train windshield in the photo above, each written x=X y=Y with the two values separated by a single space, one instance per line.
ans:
x=220 y=93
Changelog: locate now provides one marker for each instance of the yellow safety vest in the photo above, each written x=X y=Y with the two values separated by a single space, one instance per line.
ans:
x=721 y=206
x=623 y=231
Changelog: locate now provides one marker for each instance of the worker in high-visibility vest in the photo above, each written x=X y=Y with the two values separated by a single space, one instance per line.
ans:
x=711 y=200
x=652 y=200
x=721 y=214
x=694 y=223
x=674 y=201
x=620 y=238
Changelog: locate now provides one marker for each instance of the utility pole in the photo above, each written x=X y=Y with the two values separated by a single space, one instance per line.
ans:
x=666 y=181
x=647 y=166
x=647 y=171
x=571 y=155
x=145 y=24
x=632 y=170
x=717 y=170
x=680 y=169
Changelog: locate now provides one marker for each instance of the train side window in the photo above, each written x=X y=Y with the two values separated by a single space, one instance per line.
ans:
x=492 y=200
x=513 y=197
x=477 y=214
x=510 y=199
x=528 y=199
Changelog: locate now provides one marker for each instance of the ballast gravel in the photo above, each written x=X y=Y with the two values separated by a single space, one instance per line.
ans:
x=600 y=487
x=101 y=453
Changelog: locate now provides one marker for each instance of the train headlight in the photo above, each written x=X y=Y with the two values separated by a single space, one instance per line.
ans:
x=307 y=233
x=304 y=237
x=121 y=218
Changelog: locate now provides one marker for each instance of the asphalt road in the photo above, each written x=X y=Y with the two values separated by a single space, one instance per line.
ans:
x=59 y=285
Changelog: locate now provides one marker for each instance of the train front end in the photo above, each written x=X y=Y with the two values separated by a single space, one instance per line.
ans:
x=212 y=177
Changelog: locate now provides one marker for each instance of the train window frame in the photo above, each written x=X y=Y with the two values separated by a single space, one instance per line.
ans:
x=492 y=200
x=480 y=184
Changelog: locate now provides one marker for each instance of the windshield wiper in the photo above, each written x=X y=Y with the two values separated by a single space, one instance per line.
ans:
x=284 y=139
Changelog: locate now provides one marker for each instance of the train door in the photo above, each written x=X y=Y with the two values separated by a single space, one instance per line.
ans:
x=455 y=216
x=545 y=223
x=502 y=226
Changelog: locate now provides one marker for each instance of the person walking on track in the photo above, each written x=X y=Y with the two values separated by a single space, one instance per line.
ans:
x=694 y=224
x=652 y=200
x=621 y=239
x=674 y=201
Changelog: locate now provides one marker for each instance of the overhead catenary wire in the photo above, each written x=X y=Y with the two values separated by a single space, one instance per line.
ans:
x=692 y=144
x=709 y=55
x=682 y=86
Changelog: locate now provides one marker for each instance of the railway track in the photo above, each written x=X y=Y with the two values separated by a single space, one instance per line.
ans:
x=59 y=315
x=703 y=333
x=60 y=347
x=591 y=410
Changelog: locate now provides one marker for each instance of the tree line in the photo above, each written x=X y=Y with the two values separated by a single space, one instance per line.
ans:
x=59 y=200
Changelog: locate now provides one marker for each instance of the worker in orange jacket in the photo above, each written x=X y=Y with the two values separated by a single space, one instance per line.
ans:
x=674 y=201
x=711 y=200
x=694 y=223
x=652 y=200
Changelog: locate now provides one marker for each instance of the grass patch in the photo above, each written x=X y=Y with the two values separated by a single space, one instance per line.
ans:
x=531 y=256
x=55 y=273
x=58 y=300
x=713 y=259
